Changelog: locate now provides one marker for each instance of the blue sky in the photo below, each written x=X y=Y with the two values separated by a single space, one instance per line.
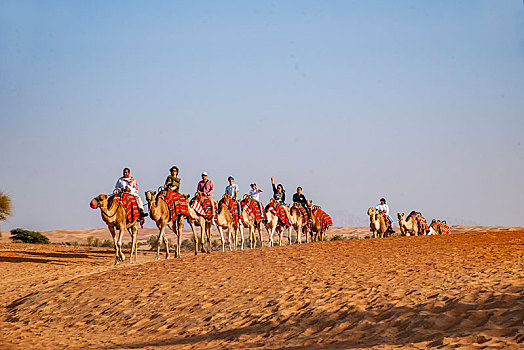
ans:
x=418 y=101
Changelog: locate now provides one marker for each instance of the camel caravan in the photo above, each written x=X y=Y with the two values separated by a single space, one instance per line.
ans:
x=123 y=210
x=381 y=223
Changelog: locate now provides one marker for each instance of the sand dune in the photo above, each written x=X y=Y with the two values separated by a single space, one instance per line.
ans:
x=410 y=292
x=80 y=236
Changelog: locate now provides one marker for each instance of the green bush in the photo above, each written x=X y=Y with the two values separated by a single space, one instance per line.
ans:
x=6 y=206
x=107 y=243
x=188 y=244
x=19 y=235
x=338 y=238
x=216 y=245
x=153 y=242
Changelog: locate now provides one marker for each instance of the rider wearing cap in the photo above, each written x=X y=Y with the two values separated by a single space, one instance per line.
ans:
x=254 y=192
x=385 y=208
x=172 y=181
x=232 y=192
x=206 y=186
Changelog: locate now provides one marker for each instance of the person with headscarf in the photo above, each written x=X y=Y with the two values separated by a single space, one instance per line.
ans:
x=128 y=184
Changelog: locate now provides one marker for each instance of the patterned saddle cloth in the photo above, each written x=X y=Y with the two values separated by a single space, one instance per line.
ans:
x=176 y=202
x=324 y=218
x=231 y=204
x=302 y=212
x=420 y=220
x=129 y=204
x=278 y=210
x=441 y=227
x=203 y=206
x=254 y=207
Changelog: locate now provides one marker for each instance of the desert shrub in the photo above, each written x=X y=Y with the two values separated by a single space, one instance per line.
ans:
x=127 y=245
x=6 y=206
x=153 y=242
x=19 y=235
x=93 y=242
x=215 y=245
x=338 y=238
x=107 y=243
x=188 y=244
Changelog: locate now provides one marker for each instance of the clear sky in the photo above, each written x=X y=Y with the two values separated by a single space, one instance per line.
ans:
x=421 y=102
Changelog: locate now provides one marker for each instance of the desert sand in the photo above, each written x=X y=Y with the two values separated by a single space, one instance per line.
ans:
x=459 y=290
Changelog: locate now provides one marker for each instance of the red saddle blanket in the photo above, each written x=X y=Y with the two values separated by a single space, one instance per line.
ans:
x=231 y=204
x=386 y=219
x=302 y=211
x=324 y=218
x=420 y=220
x=279 y=210
x=255 y=208
x=440 y=227
x=129 y=204
x=176 y=202
x=203 y=206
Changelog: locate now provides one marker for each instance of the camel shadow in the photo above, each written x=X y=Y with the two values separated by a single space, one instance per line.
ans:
x=499 y=316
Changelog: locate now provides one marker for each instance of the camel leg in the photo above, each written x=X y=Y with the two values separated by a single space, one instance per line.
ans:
x=281 y=236
x=221 y=237
x=162 y=237
x=208 y=233
x=252 y=238
x=195 y=237
x=180 y=225
x=270 y=236
x=260 y=237
x=115 y=243
x=229 y=238
x=119 y=244
x=132 y=231
x=241 y=237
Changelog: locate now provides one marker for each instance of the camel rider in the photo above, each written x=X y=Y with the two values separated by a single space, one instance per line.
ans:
x=232 y=192
x=301 y=199
x=385 y=208
x=128 y=184
x=207 y=188
x=254 y=192
x=172 y=181
x=279 y=195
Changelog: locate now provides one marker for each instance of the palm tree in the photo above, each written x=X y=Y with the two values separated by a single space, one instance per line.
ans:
x=6 y=206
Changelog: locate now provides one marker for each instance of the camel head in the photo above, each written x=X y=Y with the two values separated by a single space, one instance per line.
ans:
x=150 y=196
x=99 y=201
x=309 y=203
x=371 y=211
x=400 y=216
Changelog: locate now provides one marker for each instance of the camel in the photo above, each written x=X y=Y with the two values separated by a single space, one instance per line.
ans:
x=225 y=220
x=408 y=227
x=205 y=223
x=249 y=222
x=115 y=219
x=298 y=224
x=316 y=226
x=272 y=226
x=377 y=223
x=159 y=212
